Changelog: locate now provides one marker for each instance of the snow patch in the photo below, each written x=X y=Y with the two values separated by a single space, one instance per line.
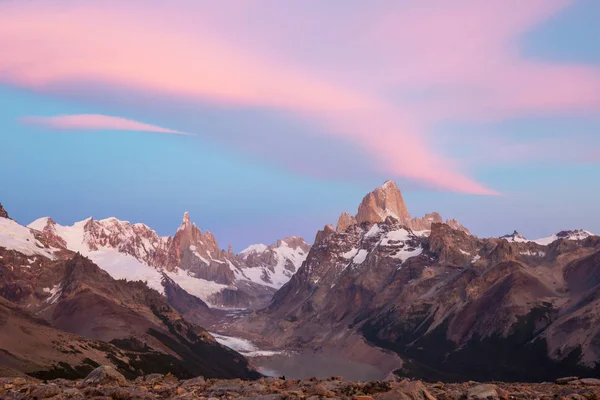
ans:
x=360 y=256
x=405 y=254
x=533 y=253
x=350 y=254
x=374 y=231
x=55 y=292
x=395 y=236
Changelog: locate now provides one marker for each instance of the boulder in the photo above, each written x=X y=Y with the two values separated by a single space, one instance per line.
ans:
x=565 y=380
x=406 y=390
x=485 y=391
x=105 y=375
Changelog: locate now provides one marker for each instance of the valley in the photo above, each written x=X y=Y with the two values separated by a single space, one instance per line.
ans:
x=380 y=294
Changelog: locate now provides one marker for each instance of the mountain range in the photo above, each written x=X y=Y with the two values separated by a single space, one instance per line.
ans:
x=421 y=296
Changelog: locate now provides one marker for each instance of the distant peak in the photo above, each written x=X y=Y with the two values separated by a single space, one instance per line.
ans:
x=186 y=218
x=576 y=234
x=514 y=237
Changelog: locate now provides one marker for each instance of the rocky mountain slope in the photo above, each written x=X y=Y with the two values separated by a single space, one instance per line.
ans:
x=191 y=258
x=451 y=305
x=48 y=291
x=30 y=345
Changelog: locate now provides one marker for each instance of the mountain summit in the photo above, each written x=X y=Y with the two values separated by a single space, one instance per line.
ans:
x=385 y=201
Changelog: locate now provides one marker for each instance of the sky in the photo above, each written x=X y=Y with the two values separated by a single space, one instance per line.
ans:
x=266 y=119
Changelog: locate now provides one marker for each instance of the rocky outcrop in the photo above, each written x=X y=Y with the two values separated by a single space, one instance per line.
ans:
x=3 y=213
x=345 y=221
x=454 y=224
x=422 y=224
x=321 y=235
x=51 y=236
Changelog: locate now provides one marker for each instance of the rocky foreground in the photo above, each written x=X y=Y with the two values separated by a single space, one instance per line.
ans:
x=106 y=383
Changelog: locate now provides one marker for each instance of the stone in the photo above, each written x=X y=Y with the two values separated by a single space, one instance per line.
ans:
x=197 y=381
x=72 y=394
x=590 y=381
x=45 y=391
x=567 y=379
x=406 y=390
x=321 y=390
x=152 y=379
x=376 y=387
x=484 y=391
x=105 y=375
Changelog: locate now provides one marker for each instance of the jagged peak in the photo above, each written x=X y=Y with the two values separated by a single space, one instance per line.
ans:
x=345 y=221
x=385 y=201
x=325 y=232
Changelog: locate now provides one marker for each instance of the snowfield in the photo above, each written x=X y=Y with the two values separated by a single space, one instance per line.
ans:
x=19 y=238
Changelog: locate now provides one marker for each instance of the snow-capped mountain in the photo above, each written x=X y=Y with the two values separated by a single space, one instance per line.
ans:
x=57 y=299
x=274 y=264
x=449 y=303
x=578 y=234
x=191 y=258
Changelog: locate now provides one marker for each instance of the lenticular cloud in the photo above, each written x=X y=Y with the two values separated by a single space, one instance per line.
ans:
x=96 y=122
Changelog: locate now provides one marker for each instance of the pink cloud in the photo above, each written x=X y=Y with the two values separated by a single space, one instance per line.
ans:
x=337 y=75
x=96 y=122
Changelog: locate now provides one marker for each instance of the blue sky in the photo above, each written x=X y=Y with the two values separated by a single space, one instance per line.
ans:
x=282 y=146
